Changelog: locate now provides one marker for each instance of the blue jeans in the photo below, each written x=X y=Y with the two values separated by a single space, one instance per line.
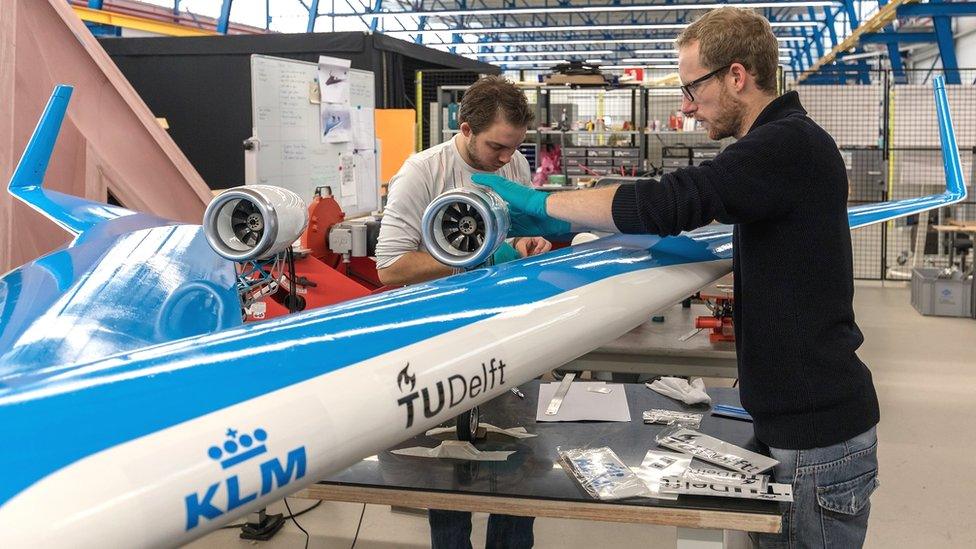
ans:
x=452 y=530
x=831 y=491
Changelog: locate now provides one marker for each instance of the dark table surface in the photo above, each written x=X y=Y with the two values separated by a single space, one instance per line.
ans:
x=532 y=471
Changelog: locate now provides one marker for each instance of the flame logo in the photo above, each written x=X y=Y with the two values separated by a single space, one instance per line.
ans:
x=405 y=376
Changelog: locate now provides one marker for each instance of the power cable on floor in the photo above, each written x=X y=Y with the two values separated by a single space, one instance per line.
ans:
x=360 y=525
x=296 y=522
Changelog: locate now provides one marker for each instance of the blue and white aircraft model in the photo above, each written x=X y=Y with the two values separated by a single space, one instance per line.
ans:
x=136 y=409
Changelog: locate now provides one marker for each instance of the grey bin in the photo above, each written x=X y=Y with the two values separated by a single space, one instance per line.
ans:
x=936 y=296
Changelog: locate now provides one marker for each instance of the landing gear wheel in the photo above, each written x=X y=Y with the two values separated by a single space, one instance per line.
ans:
x=467 y=425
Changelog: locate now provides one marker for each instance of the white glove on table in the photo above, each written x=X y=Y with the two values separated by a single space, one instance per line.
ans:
x=679 y=389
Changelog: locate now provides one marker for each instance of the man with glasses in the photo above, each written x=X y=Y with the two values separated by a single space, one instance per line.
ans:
x=783 y=184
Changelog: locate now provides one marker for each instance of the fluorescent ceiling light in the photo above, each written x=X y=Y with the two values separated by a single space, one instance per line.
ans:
x=571 y=28
x=657 y=52
x=533 y=62
x=597 y=41
x=602 y=67
x=494 y=44
x=544 y=62
x=587 y=9
x=675 y=52
x=539 y=53
x=660 y=59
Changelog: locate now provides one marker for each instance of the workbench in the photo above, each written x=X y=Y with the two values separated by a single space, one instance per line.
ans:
x=532 y=483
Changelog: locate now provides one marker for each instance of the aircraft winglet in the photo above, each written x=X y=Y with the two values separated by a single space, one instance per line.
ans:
x=868 y=214
x=72 y=213
x=33 y=164
x=955 y=184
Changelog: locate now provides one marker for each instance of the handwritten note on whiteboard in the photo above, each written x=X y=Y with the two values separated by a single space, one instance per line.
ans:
x=287 y=123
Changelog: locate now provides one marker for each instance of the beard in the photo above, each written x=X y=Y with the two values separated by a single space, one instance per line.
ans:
x=729 y=119
x=476 y=161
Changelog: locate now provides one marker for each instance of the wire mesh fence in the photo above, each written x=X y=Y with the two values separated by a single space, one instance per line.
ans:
x=885 y=127
x=887 y=132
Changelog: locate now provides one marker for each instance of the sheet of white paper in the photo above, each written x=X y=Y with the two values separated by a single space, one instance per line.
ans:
x=454 y=449
x=365 y=168
x=334 y=79
x=336 y=123
x=347 y=175
x=515 y=432
x=583 y=405
x=363 y=128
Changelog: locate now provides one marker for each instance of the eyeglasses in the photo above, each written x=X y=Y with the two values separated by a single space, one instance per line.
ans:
x=686 y=88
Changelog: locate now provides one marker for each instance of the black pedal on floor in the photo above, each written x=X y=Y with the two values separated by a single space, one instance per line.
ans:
x=261 y=526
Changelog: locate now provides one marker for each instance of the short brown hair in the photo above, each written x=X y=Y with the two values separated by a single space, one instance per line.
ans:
x=491 y=97
x=735 y=35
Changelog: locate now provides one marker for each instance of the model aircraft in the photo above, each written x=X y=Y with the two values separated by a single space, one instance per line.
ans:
x=138 y=410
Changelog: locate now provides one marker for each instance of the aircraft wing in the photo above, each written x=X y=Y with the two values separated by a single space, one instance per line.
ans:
x=161 y=444
x=126 y=281
x=868 y=214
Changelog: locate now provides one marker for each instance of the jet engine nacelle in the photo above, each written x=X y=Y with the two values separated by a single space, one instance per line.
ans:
x=254 y=222
x=463 y=227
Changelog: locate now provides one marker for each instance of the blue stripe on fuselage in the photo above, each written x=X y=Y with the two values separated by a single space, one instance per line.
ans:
x=57 y=421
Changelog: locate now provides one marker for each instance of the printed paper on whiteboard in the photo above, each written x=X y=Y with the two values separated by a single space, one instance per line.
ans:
x=363 y=129
x=366 y=182
x=347 y=175
x=336 y=123
x=334 y=79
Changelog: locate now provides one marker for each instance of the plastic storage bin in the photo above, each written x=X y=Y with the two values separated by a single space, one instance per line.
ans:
x=936 y=296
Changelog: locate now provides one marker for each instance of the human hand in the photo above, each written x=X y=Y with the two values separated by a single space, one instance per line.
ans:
x=529 y=246
x=504 y=254
x=527 y=225
x=520 y=199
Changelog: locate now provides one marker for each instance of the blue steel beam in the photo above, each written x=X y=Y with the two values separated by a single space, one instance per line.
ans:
x=898 y=37
x=313 y=14
x=937 y=8
x=947 y=46
x=830 y=20
x=854 y=21
x=375 y=21
x=894 y=55
x=224 y=20
x=816 y=34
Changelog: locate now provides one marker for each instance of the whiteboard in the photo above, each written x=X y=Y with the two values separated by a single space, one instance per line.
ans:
x=289 y=150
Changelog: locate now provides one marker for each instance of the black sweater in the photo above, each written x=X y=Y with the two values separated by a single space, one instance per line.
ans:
x=784 y=186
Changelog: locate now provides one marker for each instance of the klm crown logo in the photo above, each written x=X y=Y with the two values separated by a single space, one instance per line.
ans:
x=241 y=486
x=250 y=446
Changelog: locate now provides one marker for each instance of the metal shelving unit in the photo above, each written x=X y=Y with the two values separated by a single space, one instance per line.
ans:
x=632 y=104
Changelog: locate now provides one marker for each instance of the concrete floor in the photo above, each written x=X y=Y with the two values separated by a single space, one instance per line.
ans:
x=925 y=372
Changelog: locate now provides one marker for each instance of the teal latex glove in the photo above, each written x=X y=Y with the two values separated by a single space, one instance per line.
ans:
x=528 y=225
x=504 y=254
x=521 y=199
x=526 y=207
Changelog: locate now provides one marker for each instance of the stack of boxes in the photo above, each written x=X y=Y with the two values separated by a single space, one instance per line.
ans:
x=598 y=161
x=679 y=156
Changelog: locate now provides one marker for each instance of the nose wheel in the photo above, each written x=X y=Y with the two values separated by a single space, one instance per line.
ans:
x=467 y=425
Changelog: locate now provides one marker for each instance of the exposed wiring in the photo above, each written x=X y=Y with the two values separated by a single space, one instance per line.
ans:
x=293 y=291
x=296 y=522
x=360 y=525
